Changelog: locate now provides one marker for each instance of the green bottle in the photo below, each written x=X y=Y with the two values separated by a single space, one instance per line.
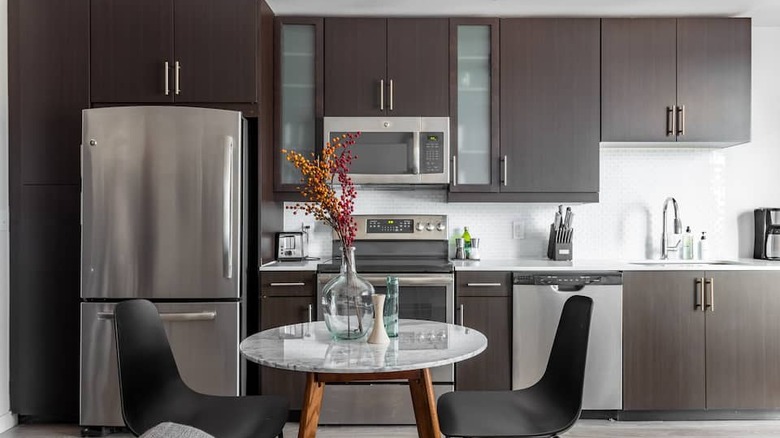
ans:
x=466 y=241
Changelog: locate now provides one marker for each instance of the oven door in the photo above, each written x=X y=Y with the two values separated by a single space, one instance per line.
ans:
x=420 y=296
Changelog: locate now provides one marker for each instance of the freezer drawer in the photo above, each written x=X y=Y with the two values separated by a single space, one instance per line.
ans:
x=203 y=336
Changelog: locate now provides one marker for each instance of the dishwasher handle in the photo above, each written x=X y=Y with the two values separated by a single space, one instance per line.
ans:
x=568 y=288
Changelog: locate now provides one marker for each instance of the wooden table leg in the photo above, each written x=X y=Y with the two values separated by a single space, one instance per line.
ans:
x=312 y=402
x=424 y=403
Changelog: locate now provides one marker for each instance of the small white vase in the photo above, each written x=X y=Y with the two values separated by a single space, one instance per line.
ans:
x=378 y=333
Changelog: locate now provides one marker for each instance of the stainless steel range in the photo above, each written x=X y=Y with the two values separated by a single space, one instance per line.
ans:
x=413 y=248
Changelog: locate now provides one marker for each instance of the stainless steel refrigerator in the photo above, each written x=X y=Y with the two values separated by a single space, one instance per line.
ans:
x=162 y=215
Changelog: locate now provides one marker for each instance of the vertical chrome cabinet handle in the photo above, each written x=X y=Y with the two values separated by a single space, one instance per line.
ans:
x=227 y=210
x=391 y=94
x=167 y=74
x=310 y=312
x=381 y=95
x=177 y=77
x=711 y=304
x=460 y=310
x=454 y=170
x=681 y=120
x=699 y=303
x=670 y=121
x=505 y=173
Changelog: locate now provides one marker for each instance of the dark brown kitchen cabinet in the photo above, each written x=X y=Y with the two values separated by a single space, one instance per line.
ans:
x=193 y=51
x=743 y=351
x=663 y=341
x=393 y=67
x=286 y=297
x=684 y=80
x=550 y=105
x=484 y=303
x=701 y=340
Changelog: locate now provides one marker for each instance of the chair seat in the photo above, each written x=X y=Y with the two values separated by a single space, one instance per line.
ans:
x=524 y=413
x=230 y=417
x=174 y=430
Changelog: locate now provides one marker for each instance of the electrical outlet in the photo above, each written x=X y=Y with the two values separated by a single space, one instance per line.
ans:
x=518 y=230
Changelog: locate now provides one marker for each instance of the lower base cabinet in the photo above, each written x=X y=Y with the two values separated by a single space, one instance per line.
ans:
x=285 y=298
x=484 y=303
x=697 y=340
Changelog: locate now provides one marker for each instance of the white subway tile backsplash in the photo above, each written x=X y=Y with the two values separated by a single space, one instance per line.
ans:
x=625 y=224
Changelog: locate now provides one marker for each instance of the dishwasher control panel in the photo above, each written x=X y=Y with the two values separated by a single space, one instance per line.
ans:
x=567 y=279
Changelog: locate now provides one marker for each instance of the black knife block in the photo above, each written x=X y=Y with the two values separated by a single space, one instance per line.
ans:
x=560 y=245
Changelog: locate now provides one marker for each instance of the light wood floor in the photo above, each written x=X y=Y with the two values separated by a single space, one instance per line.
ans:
x=583 y=429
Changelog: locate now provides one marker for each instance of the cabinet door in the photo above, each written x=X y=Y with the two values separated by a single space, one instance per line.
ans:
x=713 y=79
x=743 y=352
x=417 y=67
x=474 y=104
x=44 y=302
x=550 y=97
x=216 y=47
x=490 y=370
x=638 y=79
x=663 y=341
x=298 y=95
x=131 y=40
x=355 y=66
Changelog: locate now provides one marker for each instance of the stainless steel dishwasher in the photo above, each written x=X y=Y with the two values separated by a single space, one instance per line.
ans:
x=538 y=299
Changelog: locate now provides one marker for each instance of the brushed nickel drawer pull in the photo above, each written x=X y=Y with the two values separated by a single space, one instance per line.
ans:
x=670 y=121
x=699 y=304
x=167 y=74
x=711 y=304
x=484 y=284
x=296 y=283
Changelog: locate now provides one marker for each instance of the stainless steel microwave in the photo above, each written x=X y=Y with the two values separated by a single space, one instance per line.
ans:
x=396 y=150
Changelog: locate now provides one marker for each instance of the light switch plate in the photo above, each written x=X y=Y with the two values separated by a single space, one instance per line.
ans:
x=518 y=230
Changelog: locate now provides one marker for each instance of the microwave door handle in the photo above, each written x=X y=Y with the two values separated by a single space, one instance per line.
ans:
x=416 y=153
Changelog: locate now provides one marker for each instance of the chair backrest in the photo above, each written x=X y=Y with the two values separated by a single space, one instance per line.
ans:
x=147 y=369
x=565 y=374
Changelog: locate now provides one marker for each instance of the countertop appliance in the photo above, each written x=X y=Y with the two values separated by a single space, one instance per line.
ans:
x=538 y=300
x=162 y=219
x=413 y=248
x=291 y=245
x=396 y=150
x=767 y=234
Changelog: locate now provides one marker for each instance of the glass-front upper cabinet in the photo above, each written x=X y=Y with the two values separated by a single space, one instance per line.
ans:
x=298 y=94
x=474 y=130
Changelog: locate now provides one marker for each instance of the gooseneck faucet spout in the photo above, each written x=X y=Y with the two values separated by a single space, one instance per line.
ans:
x=665 y=248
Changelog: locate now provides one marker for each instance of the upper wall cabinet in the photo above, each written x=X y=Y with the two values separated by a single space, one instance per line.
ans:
x=683 y=81
x=392 y=67
x=187 y=51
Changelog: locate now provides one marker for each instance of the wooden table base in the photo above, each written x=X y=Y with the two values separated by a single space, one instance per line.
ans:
x=420 y=387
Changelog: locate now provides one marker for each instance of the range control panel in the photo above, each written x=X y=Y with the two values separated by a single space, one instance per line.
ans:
x=401 y=227
x=568 y=279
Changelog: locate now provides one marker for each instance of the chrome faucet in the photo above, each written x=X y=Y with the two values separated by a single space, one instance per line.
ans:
x=665 y=248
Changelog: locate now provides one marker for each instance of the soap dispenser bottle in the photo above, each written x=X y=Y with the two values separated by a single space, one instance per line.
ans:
x=687 y=244
x=703 y=250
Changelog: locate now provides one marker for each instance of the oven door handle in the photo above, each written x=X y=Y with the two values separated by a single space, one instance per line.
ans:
x=419 y=280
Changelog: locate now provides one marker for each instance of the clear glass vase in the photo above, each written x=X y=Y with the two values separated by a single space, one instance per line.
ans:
x=346 y=301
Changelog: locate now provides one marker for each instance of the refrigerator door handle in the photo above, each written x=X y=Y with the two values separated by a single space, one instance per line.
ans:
x=227 y=211
x=173 y=317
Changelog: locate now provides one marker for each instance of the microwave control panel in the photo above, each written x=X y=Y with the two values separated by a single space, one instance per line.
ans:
x=432 y=152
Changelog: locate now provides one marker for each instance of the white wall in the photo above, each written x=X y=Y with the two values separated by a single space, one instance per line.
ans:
x=717 y=191
x=6 y=419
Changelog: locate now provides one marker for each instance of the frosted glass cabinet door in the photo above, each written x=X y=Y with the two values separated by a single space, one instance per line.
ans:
x=297 y=130
x=474 y=167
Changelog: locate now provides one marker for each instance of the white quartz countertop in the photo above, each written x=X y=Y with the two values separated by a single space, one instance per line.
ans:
x=304 y=265
x=309 y=347
x=615 y=265
x=543 y=264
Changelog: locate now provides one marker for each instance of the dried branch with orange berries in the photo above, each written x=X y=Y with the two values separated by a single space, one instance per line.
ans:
x=319 y=175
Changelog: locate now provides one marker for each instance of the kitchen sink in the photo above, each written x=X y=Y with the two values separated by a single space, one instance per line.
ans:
x=684 y=262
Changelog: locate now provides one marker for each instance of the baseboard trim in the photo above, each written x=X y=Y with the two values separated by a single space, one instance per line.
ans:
x=696 y=415
x=7 y=421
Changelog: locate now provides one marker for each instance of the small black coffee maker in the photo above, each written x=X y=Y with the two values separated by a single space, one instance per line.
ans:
x=767 y=242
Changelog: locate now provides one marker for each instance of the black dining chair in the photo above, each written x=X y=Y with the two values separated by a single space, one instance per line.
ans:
x=153 y=392
x=546 y=409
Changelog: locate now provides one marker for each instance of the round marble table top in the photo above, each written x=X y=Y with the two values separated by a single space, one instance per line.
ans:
x=309 y=347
